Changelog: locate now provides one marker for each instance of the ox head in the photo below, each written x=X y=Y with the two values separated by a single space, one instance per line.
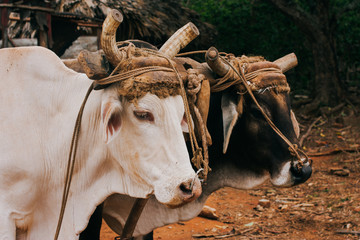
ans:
x=142 y=118
x=249 y=140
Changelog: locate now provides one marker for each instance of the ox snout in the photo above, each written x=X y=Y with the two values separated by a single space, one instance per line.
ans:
x=188 y=190
x=292 y=173
x=301 y=174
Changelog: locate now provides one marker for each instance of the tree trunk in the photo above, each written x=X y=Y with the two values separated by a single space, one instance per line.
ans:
x=318 y=27
x=327 y=90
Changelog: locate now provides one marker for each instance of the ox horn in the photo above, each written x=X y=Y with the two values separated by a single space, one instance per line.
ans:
x=108 y=37
x=179 y=40
x=220 y=68
x=287 y=62
x=215 y=63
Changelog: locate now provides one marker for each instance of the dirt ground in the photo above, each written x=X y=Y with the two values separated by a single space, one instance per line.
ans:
x=327 y=206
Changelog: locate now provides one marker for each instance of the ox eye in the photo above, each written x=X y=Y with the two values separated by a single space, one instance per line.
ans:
x=256 y=113
x=144 y=115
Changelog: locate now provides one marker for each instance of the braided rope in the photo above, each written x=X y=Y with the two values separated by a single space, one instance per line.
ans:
x=71 y=161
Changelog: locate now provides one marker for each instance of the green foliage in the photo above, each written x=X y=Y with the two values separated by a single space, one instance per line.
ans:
x=256 y=27
x=348 y=46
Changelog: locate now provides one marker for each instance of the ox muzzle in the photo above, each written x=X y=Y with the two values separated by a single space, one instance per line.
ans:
x=301 y=171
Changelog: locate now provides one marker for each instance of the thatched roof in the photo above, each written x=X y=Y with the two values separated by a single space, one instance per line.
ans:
x=149 y=20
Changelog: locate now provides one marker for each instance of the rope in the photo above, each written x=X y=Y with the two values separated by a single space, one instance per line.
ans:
x=71 y=161
x=132 y=73
x=190 y=53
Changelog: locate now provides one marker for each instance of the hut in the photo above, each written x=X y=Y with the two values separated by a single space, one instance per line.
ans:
x=56 y=24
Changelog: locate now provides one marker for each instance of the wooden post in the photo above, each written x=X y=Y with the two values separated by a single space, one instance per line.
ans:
x=98 y=35
x=4 y=26
x=133 y=218
x=49 y=32
x=45 y=35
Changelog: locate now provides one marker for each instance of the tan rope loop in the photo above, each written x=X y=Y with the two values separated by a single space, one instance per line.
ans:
x=190 y=53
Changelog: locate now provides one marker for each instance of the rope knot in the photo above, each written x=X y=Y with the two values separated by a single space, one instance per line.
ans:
x=200 y=163
x=193 y=84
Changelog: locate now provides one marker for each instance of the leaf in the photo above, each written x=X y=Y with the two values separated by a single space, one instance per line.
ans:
x=249 y=224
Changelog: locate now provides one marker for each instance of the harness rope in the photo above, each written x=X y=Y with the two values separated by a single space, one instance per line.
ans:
x=71 y=161
x=197 y=156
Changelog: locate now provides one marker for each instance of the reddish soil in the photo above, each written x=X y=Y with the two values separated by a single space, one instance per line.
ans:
x=327 y=206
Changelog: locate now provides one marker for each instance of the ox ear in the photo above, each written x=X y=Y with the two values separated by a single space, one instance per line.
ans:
x=230 y=116
x=111 y=118
x=295 y=123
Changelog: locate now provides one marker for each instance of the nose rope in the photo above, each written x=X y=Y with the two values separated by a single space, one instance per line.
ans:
x=71 y=161
x=292 y=147
x=194 y=178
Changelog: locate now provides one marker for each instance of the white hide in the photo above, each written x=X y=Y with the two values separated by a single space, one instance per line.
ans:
x=39 y=102
x=117 y=207
x=230 y=116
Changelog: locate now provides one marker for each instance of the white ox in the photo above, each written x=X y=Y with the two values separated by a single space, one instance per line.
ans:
x=123 y=148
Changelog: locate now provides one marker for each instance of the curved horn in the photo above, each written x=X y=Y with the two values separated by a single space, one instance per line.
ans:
x=215 y=63
x=220 y=68
x=108 y=37
x=179 y=40
x=287 y=62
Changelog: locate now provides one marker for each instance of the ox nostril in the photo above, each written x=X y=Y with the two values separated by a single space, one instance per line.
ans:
x=186 y=188
x=302 y=174
x=190 y=190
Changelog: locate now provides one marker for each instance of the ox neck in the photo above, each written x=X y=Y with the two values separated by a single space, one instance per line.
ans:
x=95 y=177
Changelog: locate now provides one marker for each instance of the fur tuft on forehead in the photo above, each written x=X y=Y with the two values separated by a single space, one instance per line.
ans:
x=144 y=71
x=266 y=76
x=270 y=81
x=261 y=75
x=139 y=58
x=161 y=84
